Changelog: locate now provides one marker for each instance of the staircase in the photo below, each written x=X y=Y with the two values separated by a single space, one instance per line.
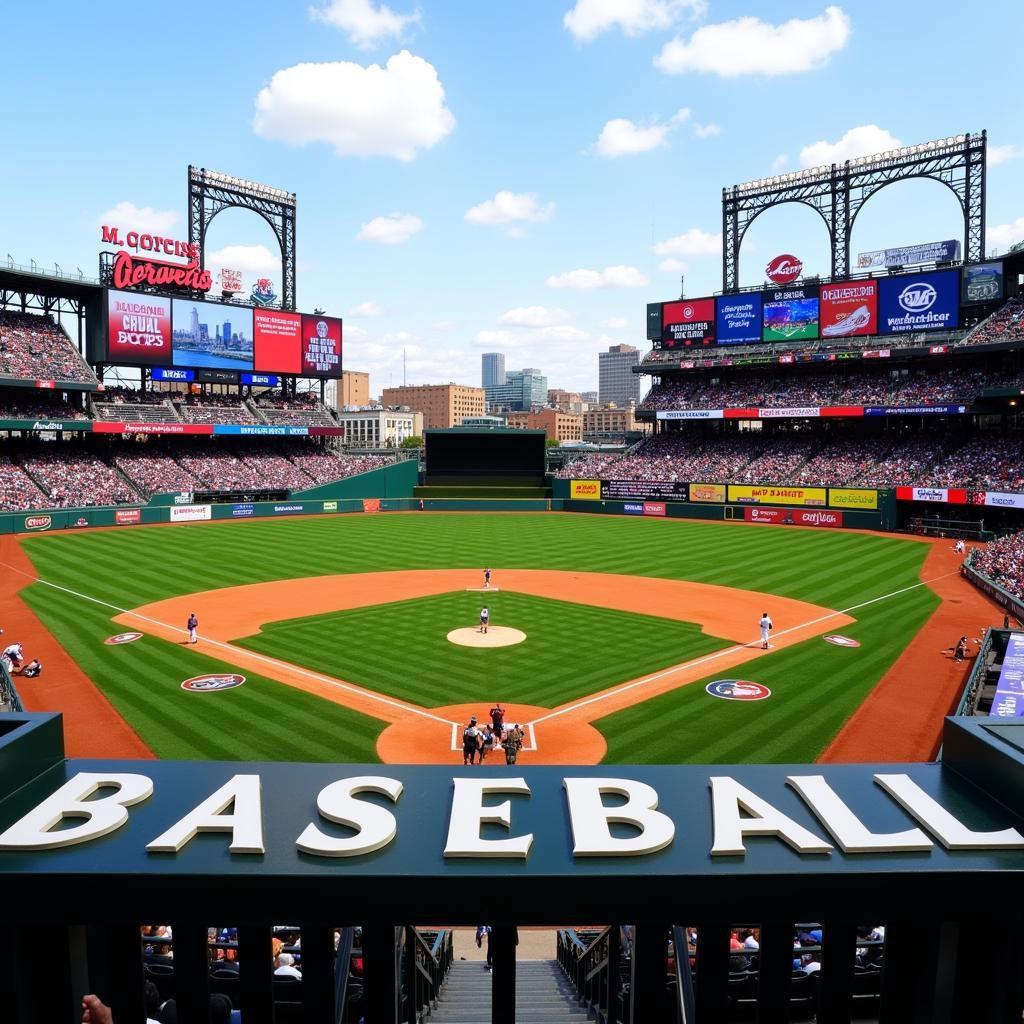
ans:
x=543 y=995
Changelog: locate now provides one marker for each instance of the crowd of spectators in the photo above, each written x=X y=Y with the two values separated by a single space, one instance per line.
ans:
x=323 y=466
x=984 y=463
x=1002 y=561
x=18 y=492
x=32 y=406
x=33 y=347
x=152 y=469
x=72 y=476
x=300 y=411
x=1005 y=324
x=215 y=409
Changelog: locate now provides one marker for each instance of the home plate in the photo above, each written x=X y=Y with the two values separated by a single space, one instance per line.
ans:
x=496 y=636
x=482 y=590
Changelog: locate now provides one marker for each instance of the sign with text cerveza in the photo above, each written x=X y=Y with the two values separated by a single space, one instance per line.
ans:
x=672 y=490
x=175 y=821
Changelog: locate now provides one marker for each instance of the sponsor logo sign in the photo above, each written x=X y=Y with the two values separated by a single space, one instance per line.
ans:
x=230 y=280
x=707 y=492
x=138 y=328
x=738 y=318
x=122 y=638
x=951 y=495
x=690 y=414
x=585 y=490
x=852 y=497
x=784 y=269
x=760 y=495
x=190 y=513
x=243 y=511
x=80 y=521
x=737 y=689
x=131 y=271
x=793 y=516
x=654 y=508
x=174 y=375
x=908 y=255
x=127 y=516
x=259 y=380
x=792 y=412
x=262 y=293
x=689 y=323
x=919 y=302
x=840 y=641
x=38 y=522
x=185 y=498
x=915 y=410
x=1003 y=499
x=330 y=506
x=982 y=282
x=288 y=509
x=213 y=682
x=371 y=504
x=633 y=508
x=849 y=309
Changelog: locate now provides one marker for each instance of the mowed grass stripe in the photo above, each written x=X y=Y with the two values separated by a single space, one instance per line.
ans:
x=402 y=649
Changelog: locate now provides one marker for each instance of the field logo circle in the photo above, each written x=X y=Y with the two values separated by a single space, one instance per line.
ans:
x=123 y=638
x=840 y=641
x=213 y=682
x=738 y=689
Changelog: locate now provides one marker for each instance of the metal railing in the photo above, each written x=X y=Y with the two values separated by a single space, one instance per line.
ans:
x=10 y=700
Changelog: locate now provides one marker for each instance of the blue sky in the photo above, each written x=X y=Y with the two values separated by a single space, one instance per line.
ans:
x=476 y=175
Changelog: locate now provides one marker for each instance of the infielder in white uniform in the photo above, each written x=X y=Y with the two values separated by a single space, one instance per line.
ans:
x=766 y=626
x=485 y=617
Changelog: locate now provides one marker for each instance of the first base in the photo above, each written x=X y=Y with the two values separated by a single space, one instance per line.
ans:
x=496 y=636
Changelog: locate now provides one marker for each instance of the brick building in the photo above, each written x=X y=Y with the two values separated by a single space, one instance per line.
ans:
x=442 y=405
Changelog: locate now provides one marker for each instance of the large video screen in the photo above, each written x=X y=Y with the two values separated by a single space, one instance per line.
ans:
x=321 y=346
x=739 y=318
x=982 y=282
x=138 y=329
x=849 y=309
x=277 y=344
x=515 y=457
x=790 y=314
x=211 y=335
x=919 y=302
x=689 y=323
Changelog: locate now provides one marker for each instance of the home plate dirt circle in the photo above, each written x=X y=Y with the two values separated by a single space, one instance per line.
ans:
x=496 y=636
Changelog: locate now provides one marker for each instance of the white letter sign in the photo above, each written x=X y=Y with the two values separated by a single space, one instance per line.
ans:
x=245 y=822
x=590 y=818
x=375 y=826
x=468 y=813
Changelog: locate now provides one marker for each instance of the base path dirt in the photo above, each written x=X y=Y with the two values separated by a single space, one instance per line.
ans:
x=92 y=727
x=901 y=719
x=416 y=735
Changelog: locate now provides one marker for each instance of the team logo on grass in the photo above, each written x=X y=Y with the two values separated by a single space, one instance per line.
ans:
x=123 y=638
x=738 y=689
x=841 y=641
x=213 y=682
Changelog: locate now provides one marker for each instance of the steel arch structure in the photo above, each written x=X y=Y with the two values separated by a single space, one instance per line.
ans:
x=838 y=192
x=210 y=193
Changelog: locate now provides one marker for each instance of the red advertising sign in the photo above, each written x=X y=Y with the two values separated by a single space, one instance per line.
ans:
x=784 y=269
x=127 y=516
x=654 y=508
x=950 y=495
x=793 y=516
x=688 y=323
x=278 y=341
x=849 y=309
x=321 y=346
x=138 y=329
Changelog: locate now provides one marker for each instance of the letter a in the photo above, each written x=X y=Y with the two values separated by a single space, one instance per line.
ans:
x=245 y=822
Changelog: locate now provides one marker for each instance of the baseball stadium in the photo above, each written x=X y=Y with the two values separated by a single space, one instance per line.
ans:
x=781 y=612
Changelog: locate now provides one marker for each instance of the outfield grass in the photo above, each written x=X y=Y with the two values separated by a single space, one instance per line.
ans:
x=816 y=686
x=571 y=650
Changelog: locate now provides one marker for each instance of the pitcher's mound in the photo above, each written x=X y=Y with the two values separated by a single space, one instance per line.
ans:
x=496 y=636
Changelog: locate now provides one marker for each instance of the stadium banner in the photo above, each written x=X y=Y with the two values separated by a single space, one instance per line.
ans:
x=919 y=302
x=82 y=426
x=173 y=375
x=330 y=506
x=793 y=516
x=106 y=427
x=690 y=414
x=707 y=492
x=982 y=282
x=797 y=411
x=259 y=380
x=654 y=508
x=190 y=513
x=790 y=314
x=326 y=431
x=321 y=346
x=738 y=318
x=949 y=495
x=38 y=522
x=138 y=329
x=277 y=337
x=849 y=309
x=259 y=430
x=689 y=323
x=243 y=511
x=842 y=410
x=914 y=410
x=633 y=508
x=1004 y=499
x=852 y=497
x=371 y=504
x=754 y=494
x=585 y=490
x=1008 y=701
x=288 y=510
x=908 y=255
x=630 y=490
x=127 y=516
x=742 y=414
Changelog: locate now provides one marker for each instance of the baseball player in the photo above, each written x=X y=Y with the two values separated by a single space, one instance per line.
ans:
x=15 y=655
x=485 y=617
x=487 y=579
x=766 y=625
x=193 y=625
x=470 y=742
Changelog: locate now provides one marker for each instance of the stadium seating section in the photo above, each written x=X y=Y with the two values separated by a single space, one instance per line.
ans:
x=1003 y=563
x=33 y=347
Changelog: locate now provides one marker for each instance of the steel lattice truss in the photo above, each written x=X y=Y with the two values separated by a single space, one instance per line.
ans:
x=839 y=192
x=210 y=192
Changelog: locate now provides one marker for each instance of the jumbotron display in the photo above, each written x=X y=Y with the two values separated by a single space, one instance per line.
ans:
x=926 y=301
x=160 y=331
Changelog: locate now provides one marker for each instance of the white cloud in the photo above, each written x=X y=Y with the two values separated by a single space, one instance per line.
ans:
x=622 y=137
x=1002 y=236
x=615 y=323
x=250 y=259
x=130 y=217
x=690 y=243
x=363 y=22
x=394 y=229
x=780 y=162
x=1000 y=154
x=673 y=266
x=589 y=18
x=747 y=46
x=508 y=208
x=395 y=110
x=589 y=280
x=863 y=140
x=707 y=131
x=533 y=316
x=368 y=308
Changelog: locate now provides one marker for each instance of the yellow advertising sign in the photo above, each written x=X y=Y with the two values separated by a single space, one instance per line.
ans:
x=755 y=494
x=852 y=497
x=585 y=490
x=707 y=492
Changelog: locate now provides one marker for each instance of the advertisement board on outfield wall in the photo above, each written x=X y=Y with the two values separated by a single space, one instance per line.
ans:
x=707 y=492
x=127 y=516
x=1004 y=499
x=852 y=497
x=793 y=516
x=631 y=489
x=951 y=495
x=754 y=494
x=585 y=490
x=190 y=513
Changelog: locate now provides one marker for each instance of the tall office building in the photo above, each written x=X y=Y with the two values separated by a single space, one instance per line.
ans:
x=493 y=369
x=523 y=390
x=616 y=381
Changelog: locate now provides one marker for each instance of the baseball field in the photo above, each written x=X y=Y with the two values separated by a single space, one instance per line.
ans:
x=339 y=626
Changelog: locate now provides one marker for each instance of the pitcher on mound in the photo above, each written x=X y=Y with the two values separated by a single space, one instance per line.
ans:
x=485 y=616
